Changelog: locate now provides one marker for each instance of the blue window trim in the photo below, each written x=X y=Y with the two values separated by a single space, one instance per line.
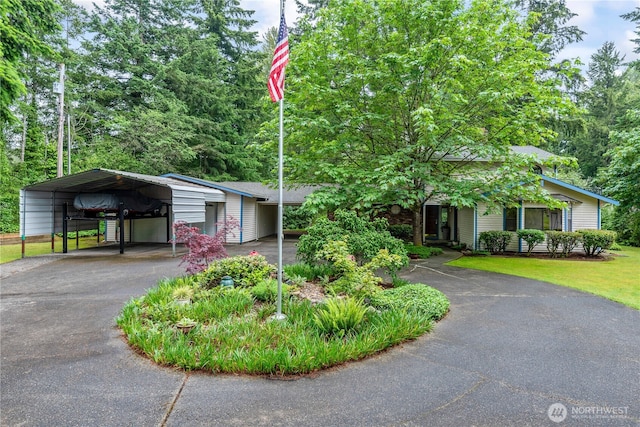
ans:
x=475 y=227
x=599 y=218
x=520 y=225
x=241 y=216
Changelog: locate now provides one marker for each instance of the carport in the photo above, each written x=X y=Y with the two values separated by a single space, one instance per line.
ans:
x=48 y=207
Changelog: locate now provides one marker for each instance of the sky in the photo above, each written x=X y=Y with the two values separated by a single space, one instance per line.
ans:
x=599 y=18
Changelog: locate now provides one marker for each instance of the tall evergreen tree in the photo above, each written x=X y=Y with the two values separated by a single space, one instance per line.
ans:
x=604 y=101
x=23 y=23
x=549 y=27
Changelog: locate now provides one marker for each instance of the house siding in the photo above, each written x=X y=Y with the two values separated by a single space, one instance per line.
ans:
x=243 y=209
x=232 y=209
x=248 y=219
x=494 y=222
x=465 y=226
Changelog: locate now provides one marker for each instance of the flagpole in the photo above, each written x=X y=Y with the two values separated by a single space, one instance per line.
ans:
x=279 y=315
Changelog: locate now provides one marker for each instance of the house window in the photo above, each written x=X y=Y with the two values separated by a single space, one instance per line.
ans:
x=543 y=219
x=511 y=219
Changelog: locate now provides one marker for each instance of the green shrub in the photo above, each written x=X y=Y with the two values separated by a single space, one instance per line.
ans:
x=244 y=270
x=596 y=241
x=267 y=290
x=615 y=247
x=563 y=242
x=423 y=252
x=364 y=238
x=416 y=297
x=495 y=241
x=296 y=218
x=532 y=237
x=403 y=232
x=477 y=252
x=309 y=271
x=339 y=316
x=352 y=279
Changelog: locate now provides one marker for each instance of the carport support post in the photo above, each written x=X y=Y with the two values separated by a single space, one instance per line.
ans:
x=65 y=227
x=121 y=222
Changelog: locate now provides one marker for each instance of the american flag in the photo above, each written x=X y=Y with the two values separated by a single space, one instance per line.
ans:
x=280 y=60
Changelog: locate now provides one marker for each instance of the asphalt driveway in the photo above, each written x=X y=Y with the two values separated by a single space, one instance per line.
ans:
x=511 y=352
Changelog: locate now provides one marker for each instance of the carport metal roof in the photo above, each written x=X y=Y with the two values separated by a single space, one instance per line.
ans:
x=97 y=180
x=41 y=204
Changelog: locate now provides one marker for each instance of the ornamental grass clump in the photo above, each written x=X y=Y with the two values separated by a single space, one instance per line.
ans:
x=417 y=298
x=267 y=290
x=340 y=316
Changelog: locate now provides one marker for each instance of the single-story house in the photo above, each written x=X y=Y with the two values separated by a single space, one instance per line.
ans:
x=582 y=210
x=254 y=204
x=142 y=208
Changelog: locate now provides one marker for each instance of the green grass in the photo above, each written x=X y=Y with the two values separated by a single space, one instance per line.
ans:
x=617 y=279
x=233 y=331
x=13 y=251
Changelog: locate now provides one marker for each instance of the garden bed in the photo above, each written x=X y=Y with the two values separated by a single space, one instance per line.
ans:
x=232 y=330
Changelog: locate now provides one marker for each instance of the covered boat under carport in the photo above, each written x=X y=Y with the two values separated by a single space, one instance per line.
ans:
x=48 y=207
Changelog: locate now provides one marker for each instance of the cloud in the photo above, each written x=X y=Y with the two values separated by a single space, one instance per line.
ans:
x=267 y=13
x=602 y=22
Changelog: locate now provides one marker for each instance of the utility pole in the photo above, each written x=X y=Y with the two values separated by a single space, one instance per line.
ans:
x=59 y=89
x=68 y=144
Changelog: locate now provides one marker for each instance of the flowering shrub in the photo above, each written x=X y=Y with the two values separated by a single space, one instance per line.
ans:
x=202 y=248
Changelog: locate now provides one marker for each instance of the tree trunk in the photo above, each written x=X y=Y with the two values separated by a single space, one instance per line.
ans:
x=23 y=142
x=417 y=226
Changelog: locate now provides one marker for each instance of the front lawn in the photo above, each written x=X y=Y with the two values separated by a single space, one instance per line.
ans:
x=617 y=279
x=12 y=252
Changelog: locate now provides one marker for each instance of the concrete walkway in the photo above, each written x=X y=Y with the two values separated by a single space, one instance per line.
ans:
x=509 y=349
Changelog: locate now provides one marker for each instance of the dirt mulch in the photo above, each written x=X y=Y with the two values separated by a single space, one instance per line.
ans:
x=573 y=256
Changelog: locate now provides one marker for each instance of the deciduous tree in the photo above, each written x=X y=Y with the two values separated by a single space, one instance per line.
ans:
x=405 y=101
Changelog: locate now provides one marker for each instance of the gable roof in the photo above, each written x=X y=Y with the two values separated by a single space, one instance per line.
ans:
x=530 y=149
x=257 y=190
x=517 y=149
x=579 y=190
